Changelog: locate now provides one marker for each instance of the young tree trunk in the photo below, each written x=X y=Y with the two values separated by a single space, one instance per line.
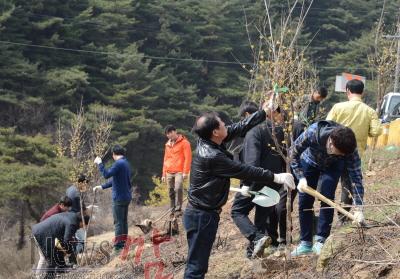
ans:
x=21 y=232
x=288 y=218
x=34 y=214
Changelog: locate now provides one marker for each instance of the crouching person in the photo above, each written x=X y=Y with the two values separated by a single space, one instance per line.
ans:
x=59 y=228
x=322 y=152
x=211 y=170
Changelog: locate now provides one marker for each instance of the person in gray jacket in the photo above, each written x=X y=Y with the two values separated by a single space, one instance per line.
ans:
x=62 y=227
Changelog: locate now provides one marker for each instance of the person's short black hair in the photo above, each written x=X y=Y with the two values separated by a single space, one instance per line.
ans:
x=344 y=139
x=355 y=86
x=205 y=125
x=169 y=128
x=66 y=201
x=82 y=178
x=322 y=91
x=224 y=117
x=118 y=150
x=86 y=218
x=249 y=107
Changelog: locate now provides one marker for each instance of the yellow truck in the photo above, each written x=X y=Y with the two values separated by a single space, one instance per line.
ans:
x=390 y=117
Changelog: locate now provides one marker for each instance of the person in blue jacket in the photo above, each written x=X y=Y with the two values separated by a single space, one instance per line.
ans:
x=120 y=172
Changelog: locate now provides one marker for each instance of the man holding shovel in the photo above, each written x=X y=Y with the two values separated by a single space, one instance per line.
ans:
x=212 y=168
x=322 y=152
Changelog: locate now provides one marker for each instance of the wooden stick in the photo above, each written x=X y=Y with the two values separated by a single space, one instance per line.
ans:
x=319 y=196
x=364 y=205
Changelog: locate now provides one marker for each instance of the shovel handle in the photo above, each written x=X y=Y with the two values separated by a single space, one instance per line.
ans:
x=321 y=197
x=234 y=189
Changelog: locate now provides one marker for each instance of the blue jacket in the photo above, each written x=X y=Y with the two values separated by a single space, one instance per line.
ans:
x=120 y=172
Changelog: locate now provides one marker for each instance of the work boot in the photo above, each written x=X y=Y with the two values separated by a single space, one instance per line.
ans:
x=302 y=249
x=259 y=246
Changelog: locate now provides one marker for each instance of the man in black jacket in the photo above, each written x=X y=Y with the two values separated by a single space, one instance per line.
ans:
x=259 y=151
x=63 y=227
x=212 y=168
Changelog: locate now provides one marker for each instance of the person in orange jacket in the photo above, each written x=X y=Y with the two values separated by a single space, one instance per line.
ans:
x=176 y=167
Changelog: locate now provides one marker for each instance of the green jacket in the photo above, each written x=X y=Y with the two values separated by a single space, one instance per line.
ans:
x=361 y=118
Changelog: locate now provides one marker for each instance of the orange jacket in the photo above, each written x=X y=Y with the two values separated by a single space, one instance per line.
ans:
x=177 y=156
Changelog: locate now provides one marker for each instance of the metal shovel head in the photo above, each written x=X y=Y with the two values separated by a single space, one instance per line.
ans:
x=266 y=197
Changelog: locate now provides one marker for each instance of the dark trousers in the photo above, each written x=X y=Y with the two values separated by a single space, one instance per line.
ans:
x=201 y=229
x=347 y=192
x=120 y=215
x=329 y=179
x=241 y=208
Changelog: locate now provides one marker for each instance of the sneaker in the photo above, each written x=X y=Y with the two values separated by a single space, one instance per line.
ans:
x=260 y=245
x=302 y=249
x=317 y=247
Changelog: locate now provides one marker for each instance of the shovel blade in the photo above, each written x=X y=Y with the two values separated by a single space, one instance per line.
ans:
x=267 y=197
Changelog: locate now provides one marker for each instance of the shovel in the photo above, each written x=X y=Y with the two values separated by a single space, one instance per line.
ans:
x=266 y=197
x=321 y=197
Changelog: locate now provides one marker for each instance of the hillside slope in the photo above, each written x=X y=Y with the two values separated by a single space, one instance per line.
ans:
x=372 y=252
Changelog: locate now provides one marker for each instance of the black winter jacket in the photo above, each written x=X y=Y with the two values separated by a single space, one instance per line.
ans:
x=213 y=166
x=259 y=151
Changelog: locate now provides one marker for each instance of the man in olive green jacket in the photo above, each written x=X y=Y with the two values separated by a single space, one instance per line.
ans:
x=364 y=122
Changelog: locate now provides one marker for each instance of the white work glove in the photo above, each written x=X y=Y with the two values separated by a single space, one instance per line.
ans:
x=359 y=215
x=245 y=191
x=98 y=187
x=302 y=183
x=286 y=179
x=98 y=160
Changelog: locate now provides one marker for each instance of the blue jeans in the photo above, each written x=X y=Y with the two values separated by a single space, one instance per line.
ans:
x=201 y=228
x=120 y=215
x=329 y=180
